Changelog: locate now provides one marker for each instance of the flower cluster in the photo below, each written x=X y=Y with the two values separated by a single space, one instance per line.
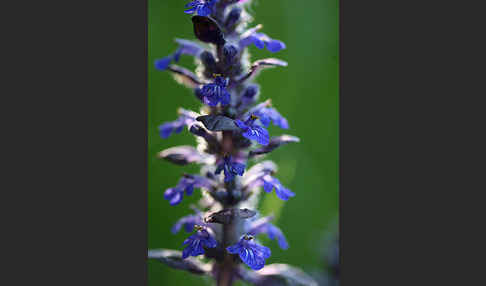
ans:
x=231 y=130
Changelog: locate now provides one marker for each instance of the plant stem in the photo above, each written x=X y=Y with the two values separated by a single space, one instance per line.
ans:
x=226 y=267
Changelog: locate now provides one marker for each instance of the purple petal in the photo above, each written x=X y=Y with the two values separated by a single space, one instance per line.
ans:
x=162 y=64
x=239 y=168
x=169 y=193
x=275 y=46
x=234 y=249
x=283 y=193
x=176 y=199
x=257 y=42
x=166 y=129
x=267 y=186
x=240 y=124
x=204 y=11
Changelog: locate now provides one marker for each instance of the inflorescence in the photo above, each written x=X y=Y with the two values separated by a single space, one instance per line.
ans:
x=231 y=131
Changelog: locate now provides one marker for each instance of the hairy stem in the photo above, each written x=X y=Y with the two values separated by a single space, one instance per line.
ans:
x=226 y=267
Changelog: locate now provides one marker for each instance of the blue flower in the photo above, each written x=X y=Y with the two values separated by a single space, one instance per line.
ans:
x=269 y=183
x=188 y=222
x=252 y=131
x=230 y=168
x=166 y=129
x=186 y=184
x=214 y=93
x=196 y=242
x=186 y=47
x=270 y=114
x=271 y=230
x=201 y=7
x=261 y=40
x=251 y=253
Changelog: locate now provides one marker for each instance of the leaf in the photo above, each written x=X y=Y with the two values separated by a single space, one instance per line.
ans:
x=183 y=155
x=227 y=216
x=275 y=142
x=207 y=30
x=259 y=65
x=292 y=276
x=270 y=62
x=184 y=76
x=173 y=258
x=218 y=123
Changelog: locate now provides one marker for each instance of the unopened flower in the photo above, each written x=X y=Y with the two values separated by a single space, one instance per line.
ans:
x=250 y=252
x=229 y=52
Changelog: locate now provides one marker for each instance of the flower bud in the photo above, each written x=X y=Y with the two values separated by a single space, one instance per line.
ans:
x=209 y=63
x=230 y=53
x=232 y=19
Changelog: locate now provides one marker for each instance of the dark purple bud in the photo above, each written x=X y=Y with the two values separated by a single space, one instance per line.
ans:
x=220 y=195
x=229 y=54
x=233 y=17
x=209 y=63
x=251 y=91
x=207 y=30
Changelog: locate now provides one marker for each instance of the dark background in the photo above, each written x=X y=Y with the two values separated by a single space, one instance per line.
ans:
x=305 y=92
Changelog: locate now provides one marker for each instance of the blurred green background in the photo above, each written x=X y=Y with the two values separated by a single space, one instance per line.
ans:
x=305 y=92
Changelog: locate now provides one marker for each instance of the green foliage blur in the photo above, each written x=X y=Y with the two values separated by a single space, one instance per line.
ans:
x=305 y=92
